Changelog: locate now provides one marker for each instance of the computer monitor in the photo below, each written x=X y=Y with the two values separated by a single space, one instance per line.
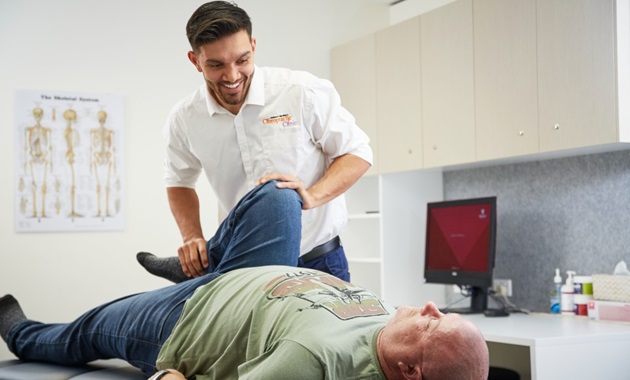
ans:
x=460 y=247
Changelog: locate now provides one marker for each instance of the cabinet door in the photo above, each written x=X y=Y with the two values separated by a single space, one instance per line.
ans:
x=448 y=115
x=576 y=73
x=398 y=97
x=353 y=72
x=506 y=100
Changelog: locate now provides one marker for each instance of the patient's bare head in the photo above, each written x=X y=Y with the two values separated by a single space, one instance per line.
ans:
x=423 y=343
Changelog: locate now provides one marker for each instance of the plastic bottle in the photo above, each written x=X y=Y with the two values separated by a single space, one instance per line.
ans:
x=566 y=300
x=583 y=288
x=554 y=297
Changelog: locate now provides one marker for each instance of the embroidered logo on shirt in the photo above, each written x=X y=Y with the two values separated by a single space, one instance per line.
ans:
x=324 y=291
x=286 y=120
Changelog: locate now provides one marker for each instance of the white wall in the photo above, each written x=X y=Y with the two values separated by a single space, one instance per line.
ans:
x=136 y=49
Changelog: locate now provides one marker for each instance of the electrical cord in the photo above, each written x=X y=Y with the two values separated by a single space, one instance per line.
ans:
x=505 y=303
x=465 y=291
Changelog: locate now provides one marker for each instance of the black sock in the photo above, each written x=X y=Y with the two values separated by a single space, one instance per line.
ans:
x=165 y=267
x=10 y=314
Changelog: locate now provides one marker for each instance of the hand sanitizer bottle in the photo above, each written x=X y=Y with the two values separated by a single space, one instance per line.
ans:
x=554 y=298
x=566 y=300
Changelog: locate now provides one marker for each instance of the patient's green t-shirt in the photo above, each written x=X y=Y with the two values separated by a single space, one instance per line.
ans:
x=277 y=323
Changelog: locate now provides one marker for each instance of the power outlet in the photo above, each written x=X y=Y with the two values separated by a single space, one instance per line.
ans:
x=502 y=287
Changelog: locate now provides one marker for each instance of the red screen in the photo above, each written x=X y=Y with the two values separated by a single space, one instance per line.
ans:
x=458 y=238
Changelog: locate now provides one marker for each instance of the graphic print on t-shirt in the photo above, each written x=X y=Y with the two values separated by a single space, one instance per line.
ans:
x=324 y=291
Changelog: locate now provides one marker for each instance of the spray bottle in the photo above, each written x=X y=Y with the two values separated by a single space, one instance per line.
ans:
x=554 y=297
x=566 y=300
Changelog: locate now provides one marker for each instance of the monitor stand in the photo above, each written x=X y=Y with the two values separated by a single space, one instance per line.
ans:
x=478 y=302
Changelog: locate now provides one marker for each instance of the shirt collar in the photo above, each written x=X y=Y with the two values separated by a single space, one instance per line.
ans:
x=255 y=96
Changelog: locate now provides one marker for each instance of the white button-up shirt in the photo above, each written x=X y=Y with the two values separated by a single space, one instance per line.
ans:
x=291 y=123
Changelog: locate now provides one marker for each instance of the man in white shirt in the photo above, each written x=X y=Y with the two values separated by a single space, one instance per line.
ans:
x=248 y=125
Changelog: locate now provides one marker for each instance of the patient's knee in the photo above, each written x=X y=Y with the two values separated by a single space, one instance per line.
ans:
x=284 y=198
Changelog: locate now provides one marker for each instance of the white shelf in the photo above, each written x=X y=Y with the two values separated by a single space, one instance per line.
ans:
x=363 y=198
x=385 y=249
x=367 y=215
x=362 y=237
x=365 y=260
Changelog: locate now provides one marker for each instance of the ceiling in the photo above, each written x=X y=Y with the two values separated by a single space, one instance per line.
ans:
x=386 y=2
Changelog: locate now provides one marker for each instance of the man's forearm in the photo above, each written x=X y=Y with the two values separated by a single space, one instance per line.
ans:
x=184 y=204
x=344 y=172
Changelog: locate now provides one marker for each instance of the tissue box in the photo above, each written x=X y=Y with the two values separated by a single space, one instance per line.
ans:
x=610 y=287
x=609 y=311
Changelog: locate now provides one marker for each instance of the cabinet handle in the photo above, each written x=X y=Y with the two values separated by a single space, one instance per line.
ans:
x=556 y=126
x=521 y=133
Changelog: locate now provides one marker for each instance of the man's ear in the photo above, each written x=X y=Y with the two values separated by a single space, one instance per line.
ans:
x=410 y=371
x=192 y=57
x=253 y=44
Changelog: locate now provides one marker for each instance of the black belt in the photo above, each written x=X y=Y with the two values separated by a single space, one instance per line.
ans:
x=322 y=249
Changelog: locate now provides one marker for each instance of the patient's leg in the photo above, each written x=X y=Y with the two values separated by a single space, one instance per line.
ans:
x=264 y=228
x=10 y=314
x=131 y=328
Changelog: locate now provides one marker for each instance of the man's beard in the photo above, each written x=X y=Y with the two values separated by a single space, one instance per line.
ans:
x=229 y=99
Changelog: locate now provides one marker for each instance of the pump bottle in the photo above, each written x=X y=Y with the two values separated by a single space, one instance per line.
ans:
x=556 y=291
x=566 y=300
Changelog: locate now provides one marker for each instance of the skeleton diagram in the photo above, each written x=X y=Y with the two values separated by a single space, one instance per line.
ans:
x=38 y=159
x=103 y=161
x=72 y=141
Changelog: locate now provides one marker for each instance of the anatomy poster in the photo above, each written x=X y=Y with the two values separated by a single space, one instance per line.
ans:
x=69 y=162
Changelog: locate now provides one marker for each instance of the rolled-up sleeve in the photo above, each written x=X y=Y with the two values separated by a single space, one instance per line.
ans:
x=333 y=127
x=181 y=167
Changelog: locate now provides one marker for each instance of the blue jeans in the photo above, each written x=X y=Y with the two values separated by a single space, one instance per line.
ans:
x=134 y=328
x=257 y=233
x=334 y=262
x=254 y=237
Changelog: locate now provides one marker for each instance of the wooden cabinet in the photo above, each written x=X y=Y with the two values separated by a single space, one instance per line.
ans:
x=576 y=73
x=353 y=72
x=448 y=114
x=545 y=76
x=398 y=87
x=500 y=79
x=568 y=56
x=506 y=88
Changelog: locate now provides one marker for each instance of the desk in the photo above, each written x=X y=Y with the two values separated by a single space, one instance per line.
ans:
x=562 y=347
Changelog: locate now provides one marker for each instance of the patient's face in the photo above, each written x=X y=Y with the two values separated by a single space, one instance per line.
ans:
x=436 y=340
x=417 y=325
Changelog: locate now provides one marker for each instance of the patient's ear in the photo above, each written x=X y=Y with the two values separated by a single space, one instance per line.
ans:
x=410 y=371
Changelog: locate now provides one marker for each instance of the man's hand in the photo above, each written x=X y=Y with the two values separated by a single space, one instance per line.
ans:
x=185 y=207
x=286 y=181
x=193 y=257
x=341 y=174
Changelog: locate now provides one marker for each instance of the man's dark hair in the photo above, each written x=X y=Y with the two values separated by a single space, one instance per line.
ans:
x=215 y=20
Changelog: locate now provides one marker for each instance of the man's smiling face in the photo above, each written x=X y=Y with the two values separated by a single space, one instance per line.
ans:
x=227 y=66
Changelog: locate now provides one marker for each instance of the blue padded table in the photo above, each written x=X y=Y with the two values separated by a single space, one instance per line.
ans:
x=99 y=370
